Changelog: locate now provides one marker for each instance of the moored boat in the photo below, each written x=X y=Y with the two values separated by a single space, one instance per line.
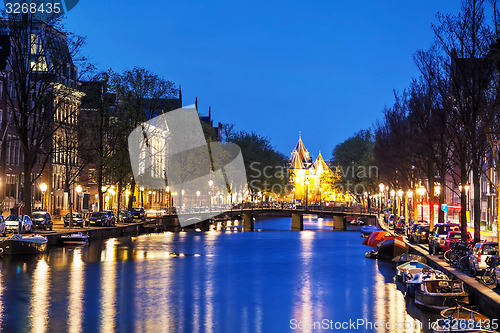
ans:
x=391 y=248
x=439 y=294
x=426 y=274
x=406 y=257
x=406 y=271
x=75 y=239
x=460 y=312
x=366 y=230
x=24 y=244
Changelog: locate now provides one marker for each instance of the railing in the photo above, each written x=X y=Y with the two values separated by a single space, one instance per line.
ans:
x=287 y=206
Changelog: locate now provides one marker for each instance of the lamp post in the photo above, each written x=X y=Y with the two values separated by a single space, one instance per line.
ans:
x=142 y=195
x=210 y=184
x=466 y=187
x=409 y=194
x=400 y=198
x=43 y=188
x=381 y=189
x=78 y=191
x=421 y=192
x=307 y=189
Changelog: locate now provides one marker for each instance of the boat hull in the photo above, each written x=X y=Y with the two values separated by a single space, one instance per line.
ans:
x=10 y=246
x=391 y=248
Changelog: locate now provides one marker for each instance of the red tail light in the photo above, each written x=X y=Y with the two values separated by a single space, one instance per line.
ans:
x=479 y=257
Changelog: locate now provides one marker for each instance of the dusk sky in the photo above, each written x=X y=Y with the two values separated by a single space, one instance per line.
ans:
x=326 y=68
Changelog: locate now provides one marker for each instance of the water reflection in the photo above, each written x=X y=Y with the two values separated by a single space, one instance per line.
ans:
x=108 y=287
x=214 y=281
x=39 y=297
x=304 y=308
x=75 y=290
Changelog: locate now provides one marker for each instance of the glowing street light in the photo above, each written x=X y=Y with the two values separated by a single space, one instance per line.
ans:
x=43 y=188
x=421 y=192
x=78 y=190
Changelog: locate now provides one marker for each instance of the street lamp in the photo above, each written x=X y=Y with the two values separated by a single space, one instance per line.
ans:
x=43 y=188
x=307 y=189
x=410 y=196
x=142 y=195
x=466 y=187
x=400 y=196
x=78 y=191
x=210 y=192
x=421 y=192
x=381 y=189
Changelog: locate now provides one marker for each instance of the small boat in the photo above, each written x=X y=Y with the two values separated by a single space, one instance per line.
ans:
x=463 y=320
x=357 y=222
x=406 y=271
x=440 y=294
x=406 y=257
x=391 y=248
x=24 y=244
x=75 y=239
x=371 y=254
x=366 y=230
x=460 y=312
x=377 y=237
x=426 y=274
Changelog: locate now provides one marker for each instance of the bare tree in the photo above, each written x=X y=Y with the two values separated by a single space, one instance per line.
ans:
x=40 y=77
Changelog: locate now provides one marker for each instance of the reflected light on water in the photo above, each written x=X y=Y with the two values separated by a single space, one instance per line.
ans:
x=303 y=310
x=76 y=278
x=108 y=287
x=40 y=297
x=389 y=308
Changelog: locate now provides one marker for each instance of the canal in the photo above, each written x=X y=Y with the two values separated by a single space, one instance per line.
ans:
x=270 y=280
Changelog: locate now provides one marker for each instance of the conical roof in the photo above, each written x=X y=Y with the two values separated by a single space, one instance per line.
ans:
x=320 y=167
x=300 y=153
x=295 y=161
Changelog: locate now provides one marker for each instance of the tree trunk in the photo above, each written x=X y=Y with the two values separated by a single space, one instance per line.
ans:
x=27 y=189
x=431 y=199
x=70 y=203
x=463 y=201
x=442 y=198
x=477 y=204
x=99 y=188
x=132 y=194
x=118 y=197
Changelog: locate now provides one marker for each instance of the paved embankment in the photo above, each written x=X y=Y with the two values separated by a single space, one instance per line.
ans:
x=486 y=299
x=54 y=237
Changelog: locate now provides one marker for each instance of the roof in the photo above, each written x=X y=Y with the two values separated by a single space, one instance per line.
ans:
x=300 y=154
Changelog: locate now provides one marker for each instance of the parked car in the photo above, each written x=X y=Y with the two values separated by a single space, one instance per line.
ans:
x=100 y=219
x=400 y=225
x=125 y=216
x=12 y=222
x=411 y=232
x=42 y=220
x=3 y=227
x=111 y=216
x=454 y=236
x=390 y=221
x=421 y=234
x=438 y=235
x=480 y=252
x=138 y=213
x=77 y=220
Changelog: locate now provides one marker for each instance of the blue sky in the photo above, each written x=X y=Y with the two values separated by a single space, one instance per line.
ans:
x=325 y=68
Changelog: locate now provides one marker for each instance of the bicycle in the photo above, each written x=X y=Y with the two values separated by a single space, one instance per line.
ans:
x=489 y=276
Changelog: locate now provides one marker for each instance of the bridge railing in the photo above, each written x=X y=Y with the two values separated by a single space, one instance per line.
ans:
x=276 y=205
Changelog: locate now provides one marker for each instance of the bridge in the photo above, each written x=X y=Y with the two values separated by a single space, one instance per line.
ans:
x=246 y=212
